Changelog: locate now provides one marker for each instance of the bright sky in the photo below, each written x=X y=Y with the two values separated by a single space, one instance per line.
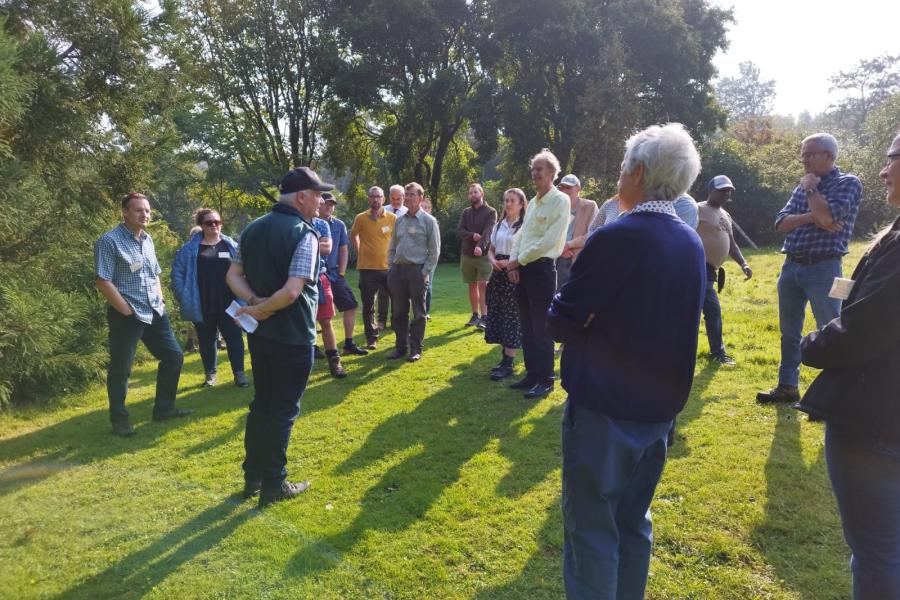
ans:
x=800 y=44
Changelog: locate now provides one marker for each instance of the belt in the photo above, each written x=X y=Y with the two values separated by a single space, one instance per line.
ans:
x=805 y=259
x=501 y=256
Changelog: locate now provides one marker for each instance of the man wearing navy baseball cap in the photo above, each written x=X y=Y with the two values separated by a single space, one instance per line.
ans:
x=275 y=273
x=715 y=230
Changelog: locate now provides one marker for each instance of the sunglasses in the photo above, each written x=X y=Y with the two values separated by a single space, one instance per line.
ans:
x=211 y=223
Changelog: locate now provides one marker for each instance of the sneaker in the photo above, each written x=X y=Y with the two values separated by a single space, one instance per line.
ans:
x=723 y=359
x=123 y=428
x=397 y=354
x=525 y=383
x=780 y=393
x=480 y=325
x=336 y=368
x=352 y=348
x=427 y=316
x=287 y=491
x=382 y=325
x=210 y=379
x=473 y=321
x=175 y=413
x=317 y=352
x=501 y=372
x=371 y=344
x=240 y=379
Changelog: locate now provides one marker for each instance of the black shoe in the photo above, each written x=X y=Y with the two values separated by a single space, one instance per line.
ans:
x=287 y=491
x=123 y=428
x=723 y=359
x=473 y=321
x=251 y=488
x=240 y=379
x=539 y=390
x=525 y=383
x=780 y=393
x=317 y=352
x=354 y=349
x=175 y=413
x=397 y=353
x=501 y=372
x=414 y=357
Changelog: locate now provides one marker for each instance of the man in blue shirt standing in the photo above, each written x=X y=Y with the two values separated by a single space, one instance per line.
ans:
x=818 y=220
x=128 y=277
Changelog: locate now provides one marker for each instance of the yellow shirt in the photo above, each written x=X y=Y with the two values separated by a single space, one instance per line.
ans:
x=543 y=232
x=374 y=236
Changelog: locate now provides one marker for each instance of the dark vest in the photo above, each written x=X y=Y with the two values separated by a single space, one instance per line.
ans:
x=267 y=246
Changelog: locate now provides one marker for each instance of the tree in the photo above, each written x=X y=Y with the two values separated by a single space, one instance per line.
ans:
x=867 y=85
x=747 y=95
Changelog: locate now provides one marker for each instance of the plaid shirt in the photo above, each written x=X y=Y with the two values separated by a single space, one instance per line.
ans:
x=131 y=266
x=843 y=193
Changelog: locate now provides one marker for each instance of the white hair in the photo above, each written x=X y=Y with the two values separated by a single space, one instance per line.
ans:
x=396 y=188
x=825 y=141
x=287 y=198
x=549 y=158
x=670 y=158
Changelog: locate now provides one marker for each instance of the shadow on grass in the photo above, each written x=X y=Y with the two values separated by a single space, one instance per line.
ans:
x=800 y=534
x=140 y=571
x=693 y=409
x=439 y=436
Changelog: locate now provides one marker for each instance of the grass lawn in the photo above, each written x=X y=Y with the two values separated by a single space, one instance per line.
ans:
x=428 y=481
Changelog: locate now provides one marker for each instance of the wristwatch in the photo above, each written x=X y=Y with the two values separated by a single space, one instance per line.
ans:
x=810 y=191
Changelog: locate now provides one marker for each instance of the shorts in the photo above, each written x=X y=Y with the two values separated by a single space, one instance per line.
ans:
x=474 y=268
x=326 y=309
x=344 y=299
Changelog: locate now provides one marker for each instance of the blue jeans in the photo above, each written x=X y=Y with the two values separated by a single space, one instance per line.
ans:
x=124 y=334
x=206 y=339
x=537 y=284
x=797 y=285
x=712 y=313
x=610 y=471
x=865 y=476
x=280 y=373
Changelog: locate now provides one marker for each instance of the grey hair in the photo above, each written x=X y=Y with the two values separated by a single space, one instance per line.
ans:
x=549 y=158
x=374 y=187
x=825 y=141
x=396 y=188
x=287 y=198
x=670 y=158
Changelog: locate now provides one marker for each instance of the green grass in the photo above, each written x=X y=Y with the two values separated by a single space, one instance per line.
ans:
x=428 y=481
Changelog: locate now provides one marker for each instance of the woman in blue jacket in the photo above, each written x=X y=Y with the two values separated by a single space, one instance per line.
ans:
x=198 y=280
x=858 y=396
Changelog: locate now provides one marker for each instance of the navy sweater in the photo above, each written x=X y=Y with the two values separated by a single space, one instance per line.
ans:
x=643 y=278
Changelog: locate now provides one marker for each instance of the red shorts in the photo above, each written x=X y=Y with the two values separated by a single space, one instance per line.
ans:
x=326 y=309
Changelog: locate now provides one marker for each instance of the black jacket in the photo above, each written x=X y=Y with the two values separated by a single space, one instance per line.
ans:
x=859 y=388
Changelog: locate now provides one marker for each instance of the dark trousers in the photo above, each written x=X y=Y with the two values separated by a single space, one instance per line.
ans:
x=373 y=283
x=407 y=285
x=209 y=352
x=124 y=334
x=712 y=313
x=280 y=373
x=537 y=283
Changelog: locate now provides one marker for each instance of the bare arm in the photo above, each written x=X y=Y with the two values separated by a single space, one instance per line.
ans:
x=354 y=239
x=112 y=295
x=735 y=252
x=325 y=245
x=343 y=259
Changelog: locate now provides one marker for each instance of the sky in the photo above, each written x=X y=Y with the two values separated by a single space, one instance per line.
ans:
x=801 y=43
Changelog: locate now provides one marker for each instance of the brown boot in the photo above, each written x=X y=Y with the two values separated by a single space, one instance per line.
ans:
x=334 y=365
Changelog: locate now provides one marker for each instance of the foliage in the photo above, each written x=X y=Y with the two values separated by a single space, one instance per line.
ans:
x=868 y=84
x=747 y=95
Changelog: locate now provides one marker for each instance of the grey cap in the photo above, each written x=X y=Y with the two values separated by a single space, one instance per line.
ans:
x=570 y=180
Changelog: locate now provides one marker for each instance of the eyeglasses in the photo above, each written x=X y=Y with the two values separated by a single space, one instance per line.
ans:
x=211 y=223
x=807 y=155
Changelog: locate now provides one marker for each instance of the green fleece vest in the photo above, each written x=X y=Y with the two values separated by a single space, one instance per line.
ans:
x=267 y=245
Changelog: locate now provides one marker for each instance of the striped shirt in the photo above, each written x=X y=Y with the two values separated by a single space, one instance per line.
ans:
x=843 y=193
x=130 y=264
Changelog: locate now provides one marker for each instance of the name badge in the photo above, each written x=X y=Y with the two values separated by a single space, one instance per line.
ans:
x=385 y=229
x=224 y=255
x=411 y=229
x=136 y=266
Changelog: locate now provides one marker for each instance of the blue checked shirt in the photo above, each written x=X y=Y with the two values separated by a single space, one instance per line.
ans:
x=843 y=193
x=131 y=266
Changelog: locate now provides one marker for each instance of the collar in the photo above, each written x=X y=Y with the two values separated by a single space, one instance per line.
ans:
x=656 y=206
x=833 y=173
x=129 y=233
x=281 y=207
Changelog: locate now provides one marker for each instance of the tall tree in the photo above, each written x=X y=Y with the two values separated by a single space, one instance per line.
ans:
x=747 y=95
x=867 y=85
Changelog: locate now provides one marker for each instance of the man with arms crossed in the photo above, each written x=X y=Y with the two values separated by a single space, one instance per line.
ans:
x=275 y=273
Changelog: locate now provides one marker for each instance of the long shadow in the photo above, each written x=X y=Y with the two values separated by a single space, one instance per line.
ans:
x=440 y=435
x=692 y=410
x=139 y=572
x=800 y=533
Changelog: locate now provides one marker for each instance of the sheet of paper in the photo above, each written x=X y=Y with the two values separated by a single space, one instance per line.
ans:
x=840 y=289
x=246 y=322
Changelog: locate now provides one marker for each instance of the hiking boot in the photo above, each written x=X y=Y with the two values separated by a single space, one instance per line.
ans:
x=287 y=491
x=723 y=359
x=123 y=428
x=240 y=379
x=473 y=321
x=317 y=352
x=352 y=348
x=210 y=379
x=175 y=413
x=334 y=365
x=780 y=393
x=251 y=488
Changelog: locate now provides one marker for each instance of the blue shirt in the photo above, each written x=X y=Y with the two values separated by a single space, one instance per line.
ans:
x=131 y=266
x=324 y=231
x=843 y=193
x=339 y=239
